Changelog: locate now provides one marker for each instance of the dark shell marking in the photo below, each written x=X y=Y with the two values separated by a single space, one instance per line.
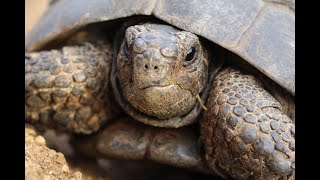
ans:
x=262 y=143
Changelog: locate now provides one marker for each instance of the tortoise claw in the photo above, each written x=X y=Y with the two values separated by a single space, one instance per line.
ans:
x=130 y=140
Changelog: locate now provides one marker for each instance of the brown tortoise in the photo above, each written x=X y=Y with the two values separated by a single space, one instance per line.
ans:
x=159 y=72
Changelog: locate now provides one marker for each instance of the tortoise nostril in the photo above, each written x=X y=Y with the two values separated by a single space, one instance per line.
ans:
x=146 y=67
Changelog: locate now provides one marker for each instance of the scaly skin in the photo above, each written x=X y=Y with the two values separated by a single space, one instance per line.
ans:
x=245 y=132
x=131 y=140
x=158 y=75
x=67 y=87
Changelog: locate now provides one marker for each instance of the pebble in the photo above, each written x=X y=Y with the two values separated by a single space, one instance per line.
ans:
x=77 y=175
x=29 y=139
x=40 y=140
x=65 y=168
x=30 y=131
x=51 y=153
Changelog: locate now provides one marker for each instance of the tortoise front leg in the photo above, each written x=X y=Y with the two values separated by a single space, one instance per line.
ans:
x=245 y=131
x=130 y=140
x=67 y=87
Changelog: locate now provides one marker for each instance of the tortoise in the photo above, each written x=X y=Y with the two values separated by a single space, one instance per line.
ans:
x=206 y=85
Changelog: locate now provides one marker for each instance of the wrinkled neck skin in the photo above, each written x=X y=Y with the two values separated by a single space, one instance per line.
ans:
x=160 y=74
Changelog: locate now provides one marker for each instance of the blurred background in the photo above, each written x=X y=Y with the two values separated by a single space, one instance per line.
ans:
x=33 y=11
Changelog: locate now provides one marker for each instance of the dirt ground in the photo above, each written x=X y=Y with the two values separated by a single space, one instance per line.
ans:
x=44 y=163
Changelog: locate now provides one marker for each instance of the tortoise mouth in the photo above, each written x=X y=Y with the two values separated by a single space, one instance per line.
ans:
x=173 y=122
x=161 y=102
x=158 y=87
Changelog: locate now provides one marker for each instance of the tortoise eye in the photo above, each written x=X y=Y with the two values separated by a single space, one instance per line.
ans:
x=191 y=54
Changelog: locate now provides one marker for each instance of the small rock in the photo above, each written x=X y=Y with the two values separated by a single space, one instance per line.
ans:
x=77 y=175
x=29 y=140
x=65 y=168
x=40 y=140
x=60 y=155
x=52 y=153
x=30 y=131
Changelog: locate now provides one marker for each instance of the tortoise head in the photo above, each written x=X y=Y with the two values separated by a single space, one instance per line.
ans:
x=159 y=75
